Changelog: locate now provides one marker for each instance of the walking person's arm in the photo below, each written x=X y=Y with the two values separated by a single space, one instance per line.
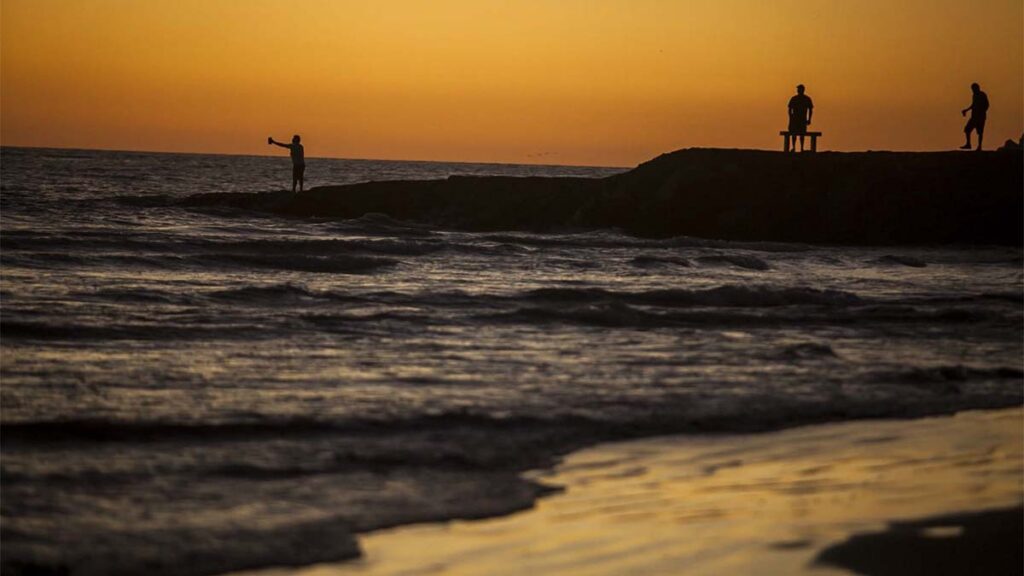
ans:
x=965 y=110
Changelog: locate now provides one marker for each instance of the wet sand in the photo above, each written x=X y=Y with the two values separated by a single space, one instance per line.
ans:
x=818 y=499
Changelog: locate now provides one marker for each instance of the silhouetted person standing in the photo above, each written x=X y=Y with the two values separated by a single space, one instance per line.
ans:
x=298 y=159
x=800 y=111
x=979 y=112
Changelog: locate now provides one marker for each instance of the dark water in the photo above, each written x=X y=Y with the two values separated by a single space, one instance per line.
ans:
x=201 y=391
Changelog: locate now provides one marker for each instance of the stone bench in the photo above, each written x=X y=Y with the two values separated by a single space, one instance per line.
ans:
x=786 y=135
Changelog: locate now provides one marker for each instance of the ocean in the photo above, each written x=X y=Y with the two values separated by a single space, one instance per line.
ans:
x=195 y=390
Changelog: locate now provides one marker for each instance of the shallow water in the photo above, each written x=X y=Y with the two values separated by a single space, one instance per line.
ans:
x=729 y=504
x=171 y=376
x=734 y=504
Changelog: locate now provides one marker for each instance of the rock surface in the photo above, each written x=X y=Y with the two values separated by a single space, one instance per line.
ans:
x=830 y=197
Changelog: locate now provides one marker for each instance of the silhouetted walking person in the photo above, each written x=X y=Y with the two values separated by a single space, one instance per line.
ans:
x=979 y=112
x=298 y=159
x=800 y=111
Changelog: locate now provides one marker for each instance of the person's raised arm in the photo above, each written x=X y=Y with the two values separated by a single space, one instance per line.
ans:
x=276 y=143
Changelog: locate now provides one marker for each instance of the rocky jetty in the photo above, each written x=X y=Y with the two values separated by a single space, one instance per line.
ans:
x=829 y=197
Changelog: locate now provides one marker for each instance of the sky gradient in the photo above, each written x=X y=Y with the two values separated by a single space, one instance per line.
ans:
x=603 y=82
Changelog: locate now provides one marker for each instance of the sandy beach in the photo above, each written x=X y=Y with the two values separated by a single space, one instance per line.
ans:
x=809 y=500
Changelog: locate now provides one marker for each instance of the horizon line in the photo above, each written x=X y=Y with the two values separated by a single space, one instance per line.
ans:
x=309 y=157
x=484 y=163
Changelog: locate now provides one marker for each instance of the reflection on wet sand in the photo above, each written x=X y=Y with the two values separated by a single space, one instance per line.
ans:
x=765 y=504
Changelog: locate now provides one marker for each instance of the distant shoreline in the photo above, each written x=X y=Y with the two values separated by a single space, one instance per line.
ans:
x=844 y=198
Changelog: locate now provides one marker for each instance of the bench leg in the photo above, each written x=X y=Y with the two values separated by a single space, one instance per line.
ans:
x=785 y=143
x=814 y=143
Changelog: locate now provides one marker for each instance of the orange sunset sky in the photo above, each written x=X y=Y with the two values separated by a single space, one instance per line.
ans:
x=602 y=82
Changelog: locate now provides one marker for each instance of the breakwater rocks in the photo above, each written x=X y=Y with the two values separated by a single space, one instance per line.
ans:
x=830 y=197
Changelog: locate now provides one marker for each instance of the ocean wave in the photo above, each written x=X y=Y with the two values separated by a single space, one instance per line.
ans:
x=147 y=200
x=135 y=295
x=808 y=350
x=150 y=248
x=160 y=552
x=131 y=431
x=599 y=417
x=738 y=260
x=488 y=248
x=342 y=322
x=99 y=429
x=722 y=296
x=647 y=261
x=377 y=224
x=605 y=315
x=329 y=247
x=80 y=332
x=617 y=238
x=991 y=297
x=173 y=244
x=337 y=264
x=900 y=313
x=949 y=373
x=620 y=314
x=295 y=293
x=910 y=261
x=1007 y=296
x=274 y=293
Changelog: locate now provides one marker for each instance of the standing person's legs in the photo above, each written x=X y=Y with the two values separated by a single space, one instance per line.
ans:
x=967 y=134
x=980 y=129
x=791 y=130
x=797 y=128
x=301 y=169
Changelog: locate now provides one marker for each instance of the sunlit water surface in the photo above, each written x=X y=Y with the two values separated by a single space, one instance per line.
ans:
x=171 y=375
x=764 y=504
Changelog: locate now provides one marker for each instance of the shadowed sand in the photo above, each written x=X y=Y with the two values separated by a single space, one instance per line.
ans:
x=990 y=542
x=816 y=499
x=832 y=198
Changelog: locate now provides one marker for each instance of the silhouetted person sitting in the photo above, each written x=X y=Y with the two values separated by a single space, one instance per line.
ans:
x=800 y=111
x=298 y=159
x=979 y=112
